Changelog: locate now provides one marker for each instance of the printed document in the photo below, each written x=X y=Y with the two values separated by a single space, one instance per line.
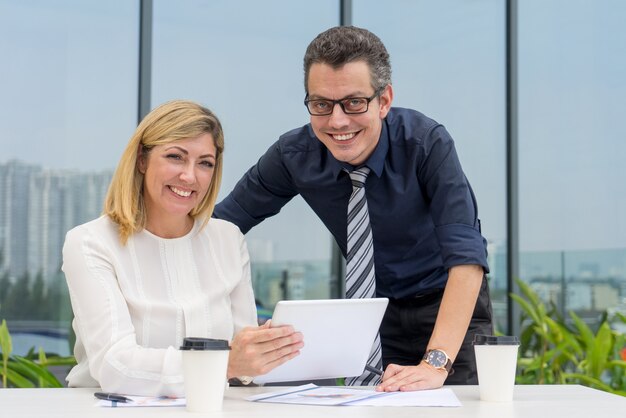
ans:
x=344 y=396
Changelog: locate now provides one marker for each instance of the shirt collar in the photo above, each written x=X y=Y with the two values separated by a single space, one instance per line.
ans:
x=375 y=162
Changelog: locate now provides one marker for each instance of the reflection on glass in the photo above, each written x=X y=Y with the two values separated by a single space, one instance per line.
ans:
x=227 y=65
x=69 y=82
x=448 y=60
x=69 y=88
x=572 y=59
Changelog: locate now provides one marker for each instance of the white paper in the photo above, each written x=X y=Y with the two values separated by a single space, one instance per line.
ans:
x=433 y=397
x=343 y=396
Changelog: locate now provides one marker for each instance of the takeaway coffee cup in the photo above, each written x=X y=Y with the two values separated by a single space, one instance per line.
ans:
x=496 y=361
x=205 y=363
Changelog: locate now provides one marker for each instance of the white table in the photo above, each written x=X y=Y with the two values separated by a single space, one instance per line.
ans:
x=531 y=401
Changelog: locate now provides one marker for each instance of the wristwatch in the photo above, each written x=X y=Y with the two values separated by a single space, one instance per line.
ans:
x=438 y=359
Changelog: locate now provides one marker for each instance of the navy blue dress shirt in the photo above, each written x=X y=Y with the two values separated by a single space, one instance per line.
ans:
x=422 y=209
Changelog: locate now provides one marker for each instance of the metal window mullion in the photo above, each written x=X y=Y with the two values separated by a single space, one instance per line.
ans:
x=145 y=59
x=512 y=163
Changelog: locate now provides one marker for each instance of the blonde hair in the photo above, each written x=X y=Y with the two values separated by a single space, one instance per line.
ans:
x=170 y=122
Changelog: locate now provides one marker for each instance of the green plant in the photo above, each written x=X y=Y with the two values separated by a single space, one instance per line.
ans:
x=31 y=370
x=551 y=352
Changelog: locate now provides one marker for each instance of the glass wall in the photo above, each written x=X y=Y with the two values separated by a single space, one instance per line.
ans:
x=223 y=55
x=69 y=98
x=448 y=61
x=69 y=104
x=572 y=62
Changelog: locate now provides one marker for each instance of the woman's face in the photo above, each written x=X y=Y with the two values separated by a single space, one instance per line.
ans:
x=177 y=176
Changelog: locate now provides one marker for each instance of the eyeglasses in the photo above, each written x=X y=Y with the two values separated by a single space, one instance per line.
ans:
x=349 y=105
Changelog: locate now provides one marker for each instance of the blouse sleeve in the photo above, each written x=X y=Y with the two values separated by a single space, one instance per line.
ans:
x=103 y=324
x=243 y=305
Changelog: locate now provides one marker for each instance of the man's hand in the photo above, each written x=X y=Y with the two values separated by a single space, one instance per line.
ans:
x=453 y=318
x=257 y=350
x=407 y=378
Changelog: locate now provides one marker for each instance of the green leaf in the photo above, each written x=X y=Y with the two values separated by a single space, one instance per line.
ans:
x=42 y=357
x=602 y=348
x=552 y=351
x=39 y=373
x=617 y=363
x=584 y=331
x=529 y=292
x=571 y=340
x=6 y=347
x=526 y=339
x=61 y=361
x=526 y=307
x=565 y=353
x=23 y=369
x=621 y=316
x=17 y=379
x=5 y=340
x=533 y=363
x=30 y=354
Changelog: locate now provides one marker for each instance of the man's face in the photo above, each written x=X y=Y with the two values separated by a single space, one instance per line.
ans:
x=350 y=138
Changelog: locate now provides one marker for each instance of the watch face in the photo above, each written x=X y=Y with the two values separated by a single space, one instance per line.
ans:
x=436 y=358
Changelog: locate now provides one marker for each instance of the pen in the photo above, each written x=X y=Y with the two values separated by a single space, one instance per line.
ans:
x=111 y=397
x=373 y=370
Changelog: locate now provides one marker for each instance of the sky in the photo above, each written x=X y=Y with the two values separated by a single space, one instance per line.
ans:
x=68 y=83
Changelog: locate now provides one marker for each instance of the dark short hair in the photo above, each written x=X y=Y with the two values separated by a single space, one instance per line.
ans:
x=343 y=44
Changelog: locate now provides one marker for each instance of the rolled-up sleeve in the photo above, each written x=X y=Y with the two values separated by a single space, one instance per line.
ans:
x=453 y=205
x=461 y=244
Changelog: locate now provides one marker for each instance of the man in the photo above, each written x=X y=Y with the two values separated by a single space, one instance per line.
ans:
x=429 y=257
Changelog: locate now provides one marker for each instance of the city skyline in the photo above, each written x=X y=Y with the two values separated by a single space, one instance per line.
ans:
x=38 y=207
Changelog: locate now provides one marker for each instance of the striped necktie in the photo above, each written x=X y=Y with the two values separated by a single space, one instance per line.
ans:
x=360 y=277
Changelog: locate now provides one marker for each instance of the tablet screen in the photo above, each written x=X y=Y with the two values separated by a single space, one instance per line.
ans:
x=338 y=336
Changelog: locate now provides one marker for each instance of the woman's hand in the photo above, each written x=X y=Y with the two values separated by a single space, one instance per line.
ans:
x=257 y=350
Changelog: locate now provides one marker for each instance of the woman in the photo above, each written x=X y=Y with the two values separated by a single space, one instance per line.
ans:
x=156 y=268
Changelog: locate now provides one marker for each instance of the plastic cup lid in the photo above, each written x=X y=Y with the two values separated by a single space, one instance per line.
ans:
x=203 y=344
x=480 y=339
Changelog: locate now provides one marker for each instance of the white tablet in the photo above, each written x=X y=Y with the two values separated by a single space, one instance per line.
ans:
x=338 y=336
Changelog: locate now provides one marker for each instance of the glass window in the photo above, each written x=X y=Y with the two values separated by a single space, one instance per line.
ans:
x=448 y=62
x=572 y=57
x=243 y=60
x=69 y=98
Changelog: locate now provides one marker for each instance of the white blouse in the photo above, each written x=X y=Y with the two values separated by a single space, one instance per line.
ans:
x=134 y=304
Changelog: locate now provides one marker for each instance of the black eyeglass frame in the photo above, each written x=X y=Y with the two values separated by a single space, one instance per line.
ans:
x=341 y=105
